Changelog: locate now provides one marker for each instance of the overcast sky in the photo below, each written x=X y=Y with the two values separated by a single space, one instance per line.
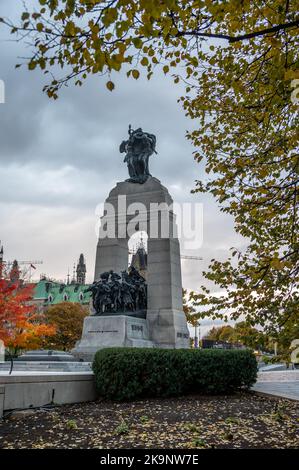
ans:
x=60 y=159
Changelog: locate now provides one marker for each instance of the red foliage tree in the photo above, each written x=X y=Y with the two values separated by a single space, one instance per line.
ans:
x=20 y=325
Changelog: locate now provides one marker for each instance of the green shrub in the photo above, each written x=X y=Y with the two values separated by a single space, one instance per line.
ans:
x=128 y=373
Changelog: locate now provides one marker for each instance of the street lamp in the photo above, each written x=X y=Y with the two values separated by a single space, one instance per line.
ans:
x=196 y=335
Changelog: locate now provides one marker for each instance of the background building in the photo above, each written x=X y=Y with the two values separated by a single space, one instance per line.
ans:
x=139 y=260
x=51 y=292
x=48 y=292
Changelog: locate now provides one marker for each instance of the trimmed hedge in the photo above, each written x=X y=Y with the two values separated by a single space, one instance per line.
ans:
x=128 y=373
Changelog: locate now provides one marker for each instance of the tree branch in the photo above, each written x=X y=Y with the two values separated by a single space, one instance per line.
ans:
x=242 y=37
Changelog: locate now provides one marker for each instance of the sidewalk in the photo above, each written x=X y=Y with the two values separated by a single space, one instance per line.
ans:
x=283 y=384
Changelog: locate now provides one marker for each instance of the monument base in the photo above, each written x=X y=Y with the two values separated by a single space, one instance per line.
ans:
x=168 y=328
x=111 y=331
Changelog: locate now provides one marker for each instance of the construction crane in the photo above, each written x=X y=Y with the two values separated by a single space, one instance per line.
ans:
x=197 y=258
x=27 y=271
x=9 y=263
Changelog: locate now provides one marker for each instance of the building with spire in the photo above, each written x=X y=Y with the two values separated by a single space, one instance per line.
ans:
x=15 y=272
x=139 y=260
x=51 y=292
x=81 y=270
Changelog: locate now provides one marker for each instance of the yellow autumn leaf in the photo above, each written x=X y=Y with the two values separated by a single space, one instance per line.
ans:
x=135 y=74
x=110 y=85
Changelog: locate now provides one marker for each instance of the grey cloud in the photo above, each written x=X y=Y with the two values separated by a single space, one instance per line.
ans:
x=58 y=160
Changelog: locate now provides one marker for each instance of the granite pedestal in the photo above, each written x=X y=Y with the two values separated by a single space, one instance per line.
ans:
x=112 y=331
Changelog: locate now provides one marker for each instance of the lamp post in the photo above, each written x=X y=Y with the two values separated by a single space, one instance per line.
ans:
x=11 y=361
x=196 y=335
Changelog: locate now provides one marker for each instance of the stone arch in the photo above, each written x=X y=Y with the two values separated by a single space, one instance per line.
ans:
x=165 y=317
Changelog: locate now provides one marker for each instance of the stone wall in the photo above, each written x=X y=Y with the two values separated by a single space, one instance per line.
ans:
x=34 y=389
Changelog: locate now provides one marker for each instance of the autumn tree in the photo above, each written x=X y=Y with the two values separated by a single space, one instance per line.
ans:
x=67 y=318
x=284 y=341
x=222 y=333
x=20 y=326
x=241 y=333
x=250 y=336
x=191 y=313
x=213 y=333
x=239 y=61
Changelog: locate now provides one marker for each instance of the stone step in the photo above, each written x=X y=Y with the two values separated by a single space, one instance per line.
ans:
x=279 y=376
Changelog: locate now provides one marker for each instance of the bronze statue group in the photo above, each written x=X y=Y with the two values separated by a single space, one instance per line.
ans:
x=119 y=293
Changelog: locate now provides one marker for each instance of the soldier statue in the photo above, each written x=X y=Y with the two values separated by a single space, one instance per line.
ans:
x=138 y=148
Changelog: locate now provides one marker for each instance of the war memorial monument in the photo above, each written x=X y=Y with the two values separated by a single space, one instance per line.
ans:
x=128 y=310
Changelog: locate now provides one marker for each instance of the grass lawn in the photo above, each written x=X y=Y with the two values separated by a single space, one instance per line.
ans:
x=238 y=421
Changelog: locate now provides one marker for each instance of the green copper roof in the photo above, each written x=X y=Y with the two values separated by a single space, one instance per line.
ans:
x=54 y=292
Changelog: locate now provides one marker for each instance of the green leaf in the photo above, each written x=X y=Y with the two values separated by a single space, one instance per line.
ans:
x=25 y=16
